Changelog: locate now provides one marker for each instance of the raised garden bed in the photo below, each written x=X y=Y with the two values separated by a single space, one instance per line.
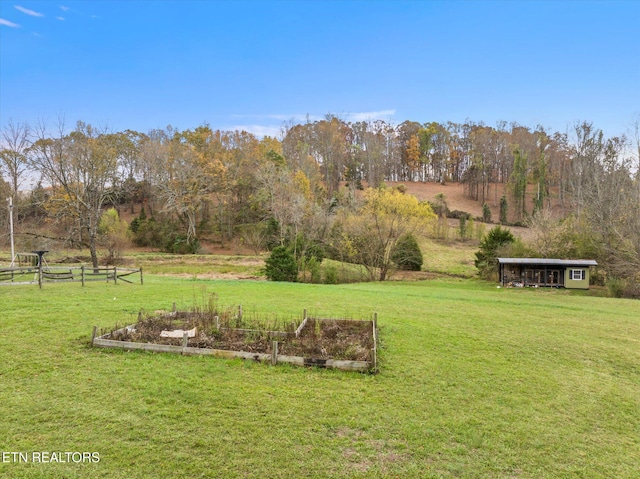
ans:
x=329 y=343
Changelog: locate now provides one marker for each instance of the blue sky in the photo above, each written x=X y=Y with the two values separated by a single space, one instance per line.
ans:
x=254 y=64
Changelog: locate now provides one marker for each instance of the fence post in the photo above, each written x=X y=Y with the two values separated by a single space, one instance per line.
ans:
x=239 y=311
x=40 y=273
x=375 y=342
x=82 y=274
x=141 y=281
x=115 y=275
x=93 y=334
x=274 y=353
x=185 y=340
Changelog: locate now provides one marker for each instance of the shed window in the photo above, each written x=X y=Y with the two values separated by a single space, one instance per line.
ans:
x=578 y=274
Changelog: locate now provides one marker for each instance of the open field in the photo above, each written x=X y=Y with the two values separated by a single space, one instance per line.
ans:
x=475 y=381
x=453 y=258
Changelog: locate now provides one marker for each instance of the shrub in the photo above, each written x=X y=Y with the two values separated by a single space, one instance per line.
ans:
x=519 y=224
x=178 y=244
x=439 y=205
x=632 y=289
x=457 y=214
x=139 y=220
x=407 y=254
x=616 y=287
x=146 y=231
x=624 y=288
x=281 y=265
x=331 y=275
x=161 y=233
x=314 y=269
x=150 y=233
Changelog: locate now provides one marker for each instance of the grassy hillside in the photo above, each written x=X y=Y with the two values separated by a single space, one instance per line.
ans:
x=475 y=381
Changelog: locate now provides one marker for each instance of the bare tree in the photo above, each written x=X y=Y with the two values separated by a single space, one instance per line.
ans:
x=282 y=200
x=81 y=168
x=185 y=172
x=16 y=142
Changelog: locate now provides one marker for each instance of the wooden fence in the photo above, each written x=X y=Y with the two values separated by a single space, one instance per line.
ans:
x=57 y=274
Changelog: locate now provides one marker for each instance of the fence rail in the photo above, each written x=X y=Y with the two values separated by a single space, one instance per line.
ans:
x=64 y=274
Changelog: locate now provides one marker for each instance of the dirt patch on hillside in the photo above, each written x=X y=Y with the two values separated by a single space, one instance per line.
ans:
x=454 y=194
x=458 y=200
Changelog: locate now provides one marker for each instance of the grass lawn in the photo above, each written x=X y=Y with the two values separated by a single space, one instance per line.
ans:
x=475 y=382
x=453 y=258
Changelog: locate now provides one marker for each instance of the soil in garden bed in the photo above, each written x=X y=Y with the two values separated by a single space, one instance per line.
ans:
x=319 y=338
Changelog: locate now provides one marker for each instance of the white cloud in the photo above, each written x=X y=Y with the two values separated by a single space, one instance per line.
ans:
x=298 y=118
x=63 y=8
x=7 y=23
x=295 y=117
x=306 y=117
x=60 y=18
x=26 y=11
x=258 y=130
x=370 y=115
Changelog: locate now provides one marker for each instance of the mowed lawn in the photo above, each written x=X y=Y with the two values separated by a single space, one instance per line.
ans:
x=475 y=382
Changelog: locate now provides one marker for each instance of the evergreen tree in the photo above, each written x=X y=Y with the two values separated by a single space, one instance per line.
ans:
x=407 y=254
x=486 y=213
x=504 y=207
x=490 y=245
x=281 y=265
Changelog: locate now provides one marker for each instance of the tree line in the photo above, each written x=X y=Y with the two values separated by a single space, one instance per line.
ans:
x=268 y=191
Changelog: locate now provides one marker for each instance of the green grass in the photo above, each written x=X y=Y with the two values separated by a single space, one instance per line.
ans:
x=454 y=258
x=475 y=382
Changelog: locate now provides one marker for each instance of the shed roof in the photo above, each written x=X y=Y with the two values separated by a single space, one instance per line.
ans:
x=549 y=261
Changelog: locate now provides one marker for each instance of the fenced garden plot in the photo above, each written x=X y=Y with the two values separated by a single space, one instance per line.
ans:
x=55 y=274
x=328 y=343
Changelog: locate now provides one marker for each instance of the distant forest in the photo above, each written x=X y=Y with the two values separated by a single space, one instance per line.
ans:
x=232 y=184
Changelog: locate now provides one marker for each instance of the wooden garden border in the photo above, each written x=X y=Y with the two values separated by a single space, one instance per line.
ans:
x=273 y=358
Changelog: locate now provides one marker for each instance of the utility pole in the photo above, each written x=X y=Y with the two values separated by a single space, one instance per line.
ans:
x=13 y=254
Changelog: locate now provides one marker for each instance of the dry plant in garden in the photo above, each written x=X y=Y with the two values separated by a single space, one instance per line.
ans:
x=230 y=329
